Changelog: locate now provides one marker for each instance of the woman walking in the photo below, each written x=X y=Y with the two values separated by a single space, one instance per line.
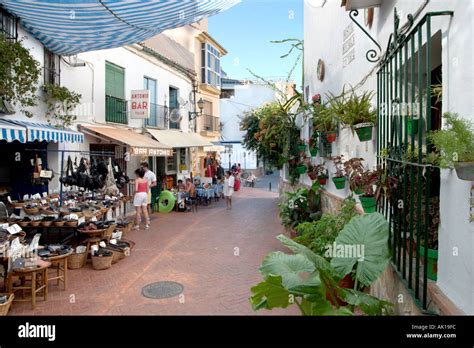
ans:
x=140 y=200
x=229 y=188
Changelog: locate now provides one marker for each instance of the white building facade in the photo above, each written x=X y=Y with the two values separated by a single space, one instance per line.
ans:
x=335 y=42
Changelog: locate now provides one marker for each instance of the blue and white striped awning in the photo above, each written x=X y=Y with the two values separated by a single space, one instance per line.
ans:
x=12 y=132
x=32 y=131
x=70 y=26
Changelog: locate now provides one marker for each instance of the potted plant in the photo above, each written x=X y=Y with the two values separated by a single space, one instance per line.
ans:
x=339 y=177
x=455 y=143
x=354 y=169
x=368 y=179
x=301 y=166
x=325 y=120
x=301 y=145
x=313 y=144
x=357 y=112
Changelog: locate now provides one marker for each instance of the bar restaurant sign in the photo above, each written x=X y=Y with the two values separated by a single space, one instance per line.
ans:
x=140 y=104
x=150 y=152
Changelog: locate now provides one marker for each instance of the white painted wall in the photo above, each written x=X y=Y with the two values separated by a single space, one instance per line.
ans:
x=324 y=39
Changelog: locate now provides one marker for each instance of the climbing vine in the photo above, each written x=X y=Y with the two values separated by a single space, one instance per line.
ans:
x=61 y=103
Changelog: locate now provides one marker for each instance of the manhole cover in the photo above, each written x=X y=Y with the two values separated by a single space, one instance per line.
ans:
x=162 y=290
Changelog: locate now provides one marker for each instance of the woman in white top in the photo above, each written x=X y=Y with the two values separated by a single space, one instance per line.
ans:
x=229 y=188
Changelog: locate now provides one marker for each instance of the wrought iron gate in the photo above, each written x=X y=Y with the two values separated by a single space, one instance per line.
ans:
x=405 y=114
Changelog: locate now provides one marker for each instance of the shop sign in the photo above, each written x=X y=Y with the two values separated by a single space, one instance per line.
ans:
x=151 y=152
x=183 y=167
x=140 y=104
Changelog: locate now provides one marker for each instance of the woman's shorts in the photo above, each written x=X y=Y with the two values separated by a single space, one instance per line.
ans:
x=140 y=199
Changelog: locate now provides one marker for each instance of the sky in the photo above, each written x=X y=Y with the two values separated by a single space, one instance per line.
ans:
x=246 y=30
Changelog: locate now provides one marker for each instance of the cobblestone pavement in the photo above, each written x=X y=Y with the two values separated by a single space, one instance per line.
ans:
x=195 y=249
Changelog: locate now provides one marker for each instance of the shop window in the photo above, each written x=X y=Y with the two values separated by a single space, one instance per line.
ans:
x=172 y=162
x=52 y=68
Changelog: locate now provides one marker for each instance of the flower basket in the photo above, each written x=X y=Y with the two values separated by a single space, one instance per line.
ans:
x=323 y=180
x=102 y=262
x=364 y=131
x=358 y=191
x=465 y=170
x=76 y=261
x=301 y=169
x=313 y=176
x=331 y=136
x=368 y=203
x=301 y=148
x=313 y=151
x=339 y=182
x=5 y=307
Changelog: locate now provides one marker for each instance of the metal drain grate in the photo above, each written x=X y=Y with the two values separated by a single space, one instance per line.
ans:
x=160 y=290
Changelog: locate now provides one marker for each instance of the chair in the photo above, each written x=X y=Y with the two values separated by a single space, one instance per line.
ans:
x=37 y=276
x=59 y=264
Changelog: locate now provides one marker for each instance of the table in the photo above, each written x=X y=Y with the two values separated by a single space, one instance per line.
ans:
x=39 y=281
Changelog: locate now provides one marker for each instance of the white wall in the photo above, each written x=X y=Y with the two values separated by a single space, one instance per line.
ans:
x=324 y=39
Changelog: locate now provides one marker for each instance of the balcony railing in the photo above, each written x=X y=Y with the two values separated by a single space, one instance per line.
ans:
x=158 y=116
x=115 y=110
x=211 y=123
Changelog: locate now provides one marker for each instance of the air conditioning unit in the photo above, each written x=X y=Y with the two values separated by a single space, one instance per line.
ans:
x=360 y=4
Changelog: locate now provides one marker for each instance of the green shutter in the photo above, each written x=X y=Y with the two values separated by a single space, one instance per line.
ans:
x=114 y=80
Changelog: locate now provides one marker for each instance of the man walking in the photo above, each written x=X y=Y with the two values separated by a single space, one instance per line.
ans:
x=151 y=178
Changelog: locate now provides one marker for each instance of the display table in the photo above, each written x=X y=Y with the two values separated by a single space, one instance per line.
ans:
x=37 y=275
x=59 y=268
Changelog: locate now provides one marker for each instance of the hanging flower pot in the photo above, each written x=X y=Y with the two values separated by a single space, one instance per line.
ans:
x=313 y=151
x=364 y=131
x=331 y=136
x=301 y=169
x=301 y=147
x=368 y=203
x=358 y=191
x=313 y=176
x=465 y=170
x=412 y=125
x=322 y=180
x=432 y=263
x=339 y=182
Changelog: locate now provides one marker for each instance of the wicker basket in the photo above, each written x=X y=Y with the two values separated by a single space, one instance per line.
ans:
x=35 y=223
x=59 y=223
x=76 y=261
x=46 y=223
x=71 y=223
x=18 y=204
x=102 y=262
x=4 y=307
x=23 y=223
x=108 y=233
x=31 y=211
x=116 y=255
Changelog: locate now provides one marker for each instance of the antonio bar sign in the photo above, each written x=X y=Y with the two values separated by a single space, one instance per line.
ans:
x=140 y=104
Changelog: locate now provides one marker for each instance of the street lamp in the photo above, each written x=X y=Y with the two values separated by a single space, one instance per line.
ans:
x=194 y=114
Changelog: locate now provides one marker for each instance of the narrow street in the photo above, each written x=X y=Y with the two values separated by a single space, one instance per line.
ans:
x=194 y=249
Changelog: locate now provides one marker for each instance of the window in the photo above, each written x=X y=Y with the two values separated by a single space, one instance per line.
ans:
x=150 y=84
x=172 y=162
x=115 y=103
x=8 y=25
x=211 y=65
x=174 y=92
x=52 y=68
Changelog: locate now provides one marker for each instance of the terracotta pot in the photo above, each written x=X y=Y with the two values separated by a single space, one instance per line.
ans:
x=331 y=136
x=322 y=180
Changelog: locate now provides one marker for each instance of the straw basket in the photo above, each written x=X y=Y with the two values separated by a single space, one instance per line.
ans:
x=71 y=223
x=46 y=223
x=23 y=223
x=31 y=211
x=59 y=223
x=102 y=262
x=35 y=223
x=4 y=307
x=76 y=261
x=108 y=233
x=18 y=204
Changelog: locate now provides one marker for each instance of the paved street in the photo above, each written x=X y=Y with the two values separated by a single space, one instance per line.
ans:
x=196 y=250
x=268 y=182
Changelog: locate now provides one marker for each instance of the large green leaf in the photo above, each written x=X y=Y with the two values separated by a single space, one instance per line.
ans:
x=270 y=294
x=289 y=267
x=370 y=305
x=370 y=231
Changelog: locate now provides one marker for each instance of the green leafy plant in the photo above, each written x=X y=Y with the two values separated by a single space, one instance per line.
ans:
x=302 y=205
x=61 y=102
x=339 y=166
x=455 y=142
x=307 y=280
x=319 y=234
x=19 y=74
x=357 y=109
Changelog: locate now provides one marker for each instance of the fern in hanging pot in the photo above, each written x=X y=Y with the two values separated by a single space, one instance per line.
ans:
x=61 y=104
x=357 y=113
